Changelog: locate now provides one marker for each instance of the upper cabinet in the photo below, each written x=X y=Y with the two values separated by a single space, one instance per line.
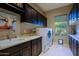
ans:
x=33 y=16
x=74 y=15
x=78 y=11
x=20 y=5
x=42 y=20
x=29 y=15
x=14 y=7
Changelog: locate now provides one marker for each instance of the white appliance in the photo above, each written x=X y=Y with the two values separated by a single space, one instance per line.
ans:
x=47 y=37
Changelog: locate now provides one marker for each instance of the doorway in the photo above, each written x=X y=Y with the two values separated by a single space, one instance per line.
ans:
x=61 y=29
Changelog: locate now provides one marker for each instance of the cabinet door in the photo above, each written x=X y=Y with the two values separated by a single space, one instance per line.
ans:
x=78 y=49
x=14 y=50
x=26 y=49
x=74 y=47
x=34 y=17
x=45 y=21
x=26 y=17
x=17 y=53
x=39 y=45
x=34 y=48
x=30 y=14
x=78 y=11
x=75 y=12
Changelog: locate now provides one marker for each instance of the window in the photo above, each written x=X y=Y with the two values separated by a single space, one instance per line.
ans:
x=61 y=25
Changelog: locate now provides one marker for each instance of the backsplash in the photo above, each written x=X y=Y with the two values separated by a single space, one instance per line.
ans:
x=7 y=34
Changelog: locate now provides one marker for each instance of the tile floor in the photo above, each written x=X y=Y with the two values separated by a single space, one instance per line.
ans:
x=58 y=50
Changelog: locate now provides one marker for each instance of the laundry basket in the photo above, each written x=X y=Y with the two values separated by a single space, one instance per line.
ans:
x=60 y=41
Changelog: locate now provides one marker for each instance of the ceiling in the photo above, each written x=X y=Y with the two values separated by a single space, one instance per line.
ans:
x=49 y=6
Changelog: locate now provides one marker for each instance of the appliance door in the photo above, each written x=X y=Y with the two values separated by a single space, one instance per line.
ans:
x=50 y=36
x=46 y=34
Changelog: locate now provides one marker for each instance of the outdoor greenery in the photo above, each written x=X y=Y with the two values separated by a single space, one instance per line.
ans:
x=61 y=25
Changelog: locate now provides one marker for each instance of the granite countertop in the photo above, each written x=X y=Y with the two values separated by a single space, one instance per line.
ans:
x=76 y=37
x=15 y=41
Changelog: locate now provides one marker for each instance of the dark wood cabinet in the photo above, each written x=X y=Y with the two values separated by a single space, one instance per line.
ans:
x=30 y=48
x=36 y=47
x=17 y=53
x=26 y=50
x=20 y=5
x=30 y=14
x=74 y=14
x=78 y=12
x=78 y=49
x=23 y=49
x=73 y=22
x=33 y=16
x=45 y=21
x=42 y=20
x=11 y=51
x=74 y=46
x=12 y=7
x=17 y=5
x=39 y=46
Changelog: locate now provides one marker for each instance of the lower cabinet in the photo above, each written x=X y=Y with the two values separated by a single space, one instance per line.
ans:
x=26 y=51
x=30 y=48
x=36 y=47
x=23 y=49
x=39 y=46
x=74 y=46
x=17 y=53
x=78 y=48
